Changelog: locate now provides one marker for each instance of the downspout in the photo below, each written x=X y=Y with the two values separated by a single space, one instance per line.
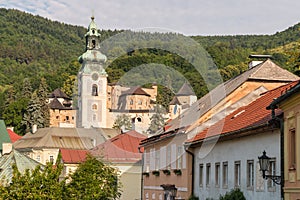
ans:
x=193 y=163
x=142 y=176
x=281 y=128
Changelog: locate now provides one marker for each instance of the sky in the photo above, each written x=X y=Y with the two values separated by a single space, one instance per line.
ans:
x=189 y=17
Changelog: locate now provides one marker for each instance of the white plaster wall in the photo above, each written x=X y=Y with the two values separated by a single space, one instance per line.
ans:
x=240 y=149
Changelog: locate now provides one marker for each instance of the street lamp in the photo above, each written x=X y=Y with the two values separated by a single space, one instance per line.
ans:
x=264 y=163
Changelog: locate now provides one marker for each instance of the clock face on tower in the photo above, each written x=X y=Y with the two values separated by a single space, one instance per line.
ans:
x=95 y=76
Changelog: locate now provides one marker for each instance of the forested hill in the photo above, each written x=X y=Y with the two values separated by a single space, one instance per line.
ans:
x=34 y=47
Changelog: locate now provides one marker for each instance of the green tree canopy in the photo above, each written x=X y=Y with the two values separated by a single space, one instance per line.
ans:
x=93 y=180
x=123 y=121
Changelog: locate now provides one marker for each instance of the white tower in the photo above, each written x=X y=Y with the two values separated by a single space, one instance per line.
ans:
x=92 y=83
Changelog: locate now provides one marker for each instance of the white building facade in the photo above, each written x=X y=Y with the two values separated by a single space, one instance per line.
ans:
x=92 y=83
x=234 y=164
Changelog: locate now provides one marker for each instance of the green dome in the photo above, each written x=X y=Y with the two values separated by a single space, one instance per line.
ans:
x=93 y=56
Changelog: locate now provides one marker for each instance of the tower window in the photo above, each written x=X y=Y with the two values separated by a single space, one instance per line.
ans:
x=94 y=117
x=93 y=43
x=94 y=90
x=94 y=107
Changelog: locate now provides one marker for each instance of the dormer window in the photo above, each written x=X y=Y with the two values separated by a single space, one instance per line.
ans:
x=94 y=90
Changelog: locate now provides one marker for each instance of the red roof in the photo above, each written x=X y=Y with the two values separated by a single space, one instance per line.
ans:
x=13 y=136
x=73 y=156
x=121 y=148
x=252 y=115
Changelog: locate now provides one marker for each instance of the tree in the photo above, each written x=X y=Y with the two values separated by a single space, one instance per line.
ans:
x=123 y=121
x=93 y=180
x=69 y=87
x=26 y=89
x=157 y=119
x=41 y=183
x=42 y=98
x=33 y=114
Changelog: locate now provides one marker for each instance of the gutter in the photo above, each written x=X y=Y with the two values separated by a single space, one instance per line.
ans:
x=193 y=170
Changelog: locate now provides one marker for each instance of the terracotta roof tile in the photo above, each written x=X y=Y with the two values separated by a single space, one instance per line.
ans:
x=13 y=136
x=252 y=115
x=73 y=156
x=122 y=148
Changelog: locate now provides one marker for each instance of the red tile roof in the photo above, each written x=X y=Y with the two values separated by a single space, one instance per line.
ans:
x=121 y=148
x=252 y=115
x=13 y=136
x=73 y=156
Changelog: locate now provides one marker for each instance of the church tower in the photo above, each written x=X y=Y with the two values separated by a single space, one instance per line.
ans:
x=92 y=82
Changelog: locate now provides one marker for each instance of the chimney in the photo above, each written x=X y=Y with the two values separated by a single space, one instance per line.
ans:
x=258 y=59
x=34 y=128
x=6 y=148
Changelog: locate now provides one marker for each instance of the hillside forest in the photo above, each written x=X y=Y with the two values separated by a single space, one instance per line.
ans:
x=36 y=50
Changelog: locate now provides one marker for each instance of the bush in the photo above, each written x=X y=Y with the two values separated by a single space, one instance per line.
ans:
x=193 y=198
x=235 y=194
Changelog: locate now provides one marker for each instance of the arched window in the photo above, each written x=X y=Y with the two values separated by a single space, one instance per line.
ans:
x=93 y=43
x=139 y=119
x=94 y=107
x=95 y=90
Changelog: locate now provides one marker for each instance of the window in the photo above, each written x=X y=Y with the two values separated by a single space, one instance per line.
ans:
x=94 y=107
x=207 y=174
x=67 y=118
x=94 y=117
x=38 y=158
x=131 y=101
x=237 y=174
x=217 y=174
x=272 y=171
x=51 y=159
x=225 y=174
x=179 y=157
x=94 y=90
x=292 y=157
x=157 y=159
x=140 y=102
x=168 y=156
x=250 y=174
x=201 y=175
x=93 y=43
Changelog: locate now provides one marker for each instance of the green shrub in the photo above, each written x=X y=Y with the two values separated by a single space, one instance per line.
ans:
x=235 y=194
x=193 y=198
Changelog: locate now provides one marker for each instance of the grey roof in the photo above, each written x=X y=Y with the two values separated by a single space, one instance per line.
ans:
x=58 y=93
x=55 y=104
x=175 y=101
x=21 y=161
x=266 y=71
x=185 y=90
x=67 y=138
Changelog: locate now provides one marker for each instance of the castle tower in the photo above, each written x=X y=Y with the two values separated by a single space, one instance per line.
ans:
x=92 y=82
